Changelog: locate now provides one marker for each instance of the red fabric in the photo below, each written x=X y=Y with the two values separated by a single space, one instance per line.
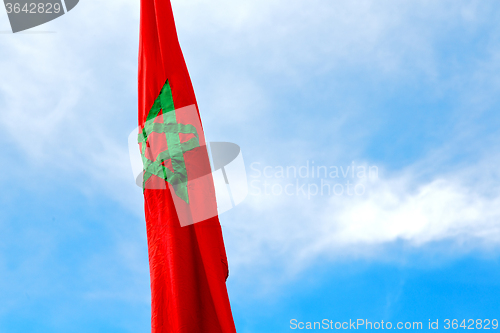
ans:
x=188 y=265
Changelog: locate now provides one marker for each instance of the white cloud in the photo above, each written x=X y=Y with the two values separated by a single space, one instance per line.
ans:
x=66 y=108
x=436 y=211
x=460 y=207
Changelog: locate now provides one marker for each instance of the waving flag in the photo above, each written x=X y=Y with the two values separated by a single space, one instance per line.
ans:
x=188 y=261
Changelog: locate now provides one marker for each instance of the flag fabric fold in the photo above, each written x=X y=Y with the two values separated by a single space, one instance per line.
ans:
x=188 y=264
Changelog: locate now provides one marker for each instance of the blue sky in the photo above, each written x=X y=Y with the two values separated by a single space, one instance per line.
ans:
x=409 y=87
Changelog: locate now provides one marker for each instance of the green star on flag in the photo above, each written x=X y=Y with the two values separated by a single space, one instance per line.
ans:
x=166 y=123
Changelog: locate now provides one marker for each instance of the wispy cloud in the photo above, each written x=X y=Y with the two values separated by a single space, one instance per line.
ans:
x=292 y=232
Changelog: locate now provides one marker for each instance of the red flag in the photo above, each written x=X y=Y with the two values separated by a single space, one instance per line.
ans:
x=188 y=264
